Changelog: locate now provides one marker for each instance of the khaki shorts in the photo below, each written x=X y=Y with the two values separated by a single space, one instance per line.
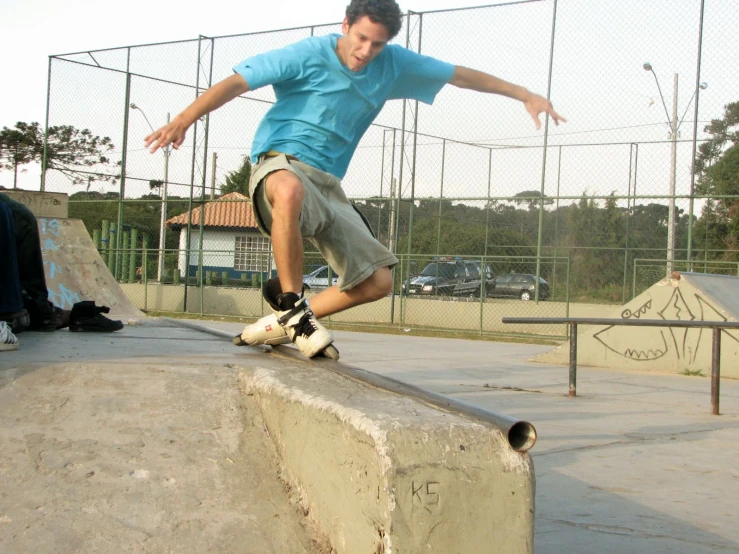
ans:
x=328 y=220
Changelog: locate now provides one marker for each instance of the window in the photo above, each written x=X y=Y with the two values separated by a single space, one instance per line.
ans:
x=251 y=253
x=473 y=270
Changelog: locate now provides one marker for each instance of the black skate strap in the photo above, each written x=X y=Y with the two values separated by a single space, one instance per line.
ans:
x=301 y=306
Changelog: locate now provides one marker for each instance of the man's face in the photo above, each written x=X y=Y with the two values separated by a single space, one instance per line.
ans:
x=361 y=42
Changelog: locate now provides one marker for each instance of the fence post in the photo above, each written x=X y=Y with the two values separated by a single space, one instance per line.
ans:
x=573 y=360
x=716 y=371
x=105 y=235
x=125 y=258
x=111 y=249
x=132 y=265
x=124 y=156
x=144 y=276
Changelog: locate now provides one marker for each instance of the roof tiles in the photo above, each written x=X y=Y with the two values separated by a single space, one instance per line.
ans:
x=234 y=210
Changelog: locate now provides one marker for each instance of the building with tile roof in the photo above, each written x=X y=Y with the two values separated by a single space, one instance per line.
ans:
x=232 y=242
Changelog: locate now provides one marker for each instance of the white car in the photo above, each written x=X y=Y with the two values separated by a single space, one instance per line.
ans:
x=319 y=278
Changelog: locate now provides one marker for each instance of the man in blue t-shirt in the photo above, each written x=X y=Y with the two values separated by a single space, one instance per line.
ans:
x=328 y=91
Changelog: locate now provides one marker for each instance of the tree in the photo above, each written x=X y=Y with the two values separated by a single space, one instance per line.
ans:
x=531 y=198
x=238 y=181
x=16 y=149
x=71 y=151
x=721 y=131
x=717 y=166
x=155 y=184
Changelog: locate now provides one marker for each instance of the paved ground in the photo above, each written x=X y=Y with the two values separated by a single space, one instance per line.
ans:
x=636 y=463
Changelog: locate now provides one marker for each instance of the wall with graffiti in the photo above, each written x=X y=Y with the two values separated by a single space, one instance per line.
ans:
x=74 y=269
x=690 y=297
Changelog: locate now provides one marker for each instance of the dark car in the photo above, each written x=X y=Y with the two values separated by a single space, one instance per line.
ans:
x=451 y=277
x=520 y=285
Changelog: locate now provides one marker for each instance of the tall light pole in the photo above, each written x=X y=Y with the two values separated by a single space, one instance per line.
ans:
x=163 y=219
x=674 y=124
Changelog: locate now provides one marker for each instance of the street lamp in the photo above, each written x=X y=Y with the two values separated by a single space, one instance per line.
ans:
x=163 y=219
x=674 y=124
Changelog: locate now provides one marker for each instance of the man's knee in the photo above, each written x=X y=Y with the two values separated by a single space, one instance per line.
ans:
x=284 y=190
x=381 y=283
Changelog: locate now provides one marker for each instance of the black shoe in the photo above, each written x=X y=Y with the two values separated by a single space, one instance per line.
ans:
x=17 y=321
x=86 y=316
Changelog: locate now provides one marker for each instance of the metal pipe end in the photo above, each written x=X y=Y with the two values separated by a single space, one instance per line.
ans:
x=522 y=436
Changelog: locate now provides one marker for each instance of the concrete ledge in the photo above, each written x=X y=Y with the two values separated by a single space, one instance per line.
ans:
x=382 y=473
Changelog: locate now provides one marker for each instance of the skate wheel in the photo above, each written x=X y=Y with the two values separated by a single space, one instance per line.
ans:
x=331 y=352
x=238 y=341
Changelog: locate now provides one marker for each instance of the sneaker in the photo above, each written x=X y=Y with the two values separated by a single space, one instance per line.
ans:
x=8 y=341
x=86 y=316
x=301 y=325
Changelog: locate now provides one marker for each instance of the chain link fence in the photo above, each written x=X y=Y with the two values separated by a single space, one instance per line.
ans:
x=636 y=177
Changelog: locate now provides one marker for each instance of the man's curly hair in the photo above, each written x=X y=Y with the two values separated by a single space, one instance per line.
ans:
x=385 y=12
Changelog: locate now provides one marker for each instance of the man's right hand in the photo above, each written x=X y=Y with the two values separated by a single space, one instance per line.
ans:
x=171 y=134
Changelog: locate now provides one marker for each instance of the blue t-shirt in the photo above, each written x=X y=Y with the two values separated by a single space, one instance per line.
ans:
x=323 y=108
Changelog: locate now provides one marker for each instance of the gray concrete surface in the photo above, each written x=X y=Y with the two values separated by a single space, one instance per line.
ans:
x=635 y=464
x=138 y=441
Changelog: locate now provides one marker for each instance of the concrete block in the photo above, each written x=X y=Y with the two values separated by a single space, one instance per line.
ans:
x=382 y=473
x=682 y=296
x=42 y=204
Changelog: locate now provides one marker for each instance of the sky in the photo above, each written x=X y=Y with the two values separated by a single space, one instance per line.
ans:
x=598 y=84
x=32 y=30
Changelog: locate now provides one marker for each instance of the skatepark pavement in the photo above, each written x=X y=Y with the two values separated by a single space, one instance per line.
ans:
x=143 y=441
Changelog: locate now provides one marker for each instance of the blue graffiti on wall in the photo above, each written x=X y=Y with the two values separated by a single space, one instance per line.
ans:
x=60 y=295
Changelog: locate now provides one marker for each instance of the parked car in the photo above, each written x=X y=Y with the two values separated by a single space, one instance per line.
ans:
x=520 y=285
x=451 y=277
x=318 y=279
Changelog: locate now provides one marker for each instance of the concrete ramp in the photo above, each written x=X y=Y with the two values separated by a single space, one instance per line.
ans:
x=165 y=439
x=75 y=271
x=684 y=297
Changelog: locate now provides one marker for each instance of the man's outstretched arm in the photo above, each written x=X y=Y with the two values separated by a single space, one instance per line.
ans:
x=212 y=99
x=472 y=79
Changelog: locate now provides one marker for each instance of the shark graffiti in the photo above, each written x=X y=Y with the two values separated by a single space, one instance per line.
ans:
x=654 y=343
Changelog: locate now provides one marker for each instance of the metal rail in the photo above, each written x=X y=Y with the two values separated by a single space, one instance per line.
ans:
x=573 y=322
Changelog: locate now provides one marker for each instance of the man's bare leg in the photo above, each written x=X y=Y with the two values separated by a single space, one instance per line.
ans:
x=285 y=193
x=330 y=301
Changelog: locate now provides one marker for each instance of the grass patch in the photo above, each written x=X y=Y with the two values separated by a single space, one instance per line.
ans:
x=693 y=373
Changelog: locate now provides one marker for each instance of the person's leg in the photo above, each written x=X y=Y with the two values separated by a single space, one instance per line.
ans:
x=332 y=300
x=292 y=201
x=11 y=303
x=285 y=193
x=30 y=259
x=31 y=265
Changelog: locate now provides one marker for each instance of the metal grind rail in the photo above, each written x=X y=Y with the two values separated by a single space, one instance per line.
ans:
x=573 y=322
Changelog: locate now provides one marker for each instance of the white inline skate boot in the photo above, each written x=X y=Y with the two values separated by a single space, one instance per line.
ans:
x=266 y=330
x=293 y=321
